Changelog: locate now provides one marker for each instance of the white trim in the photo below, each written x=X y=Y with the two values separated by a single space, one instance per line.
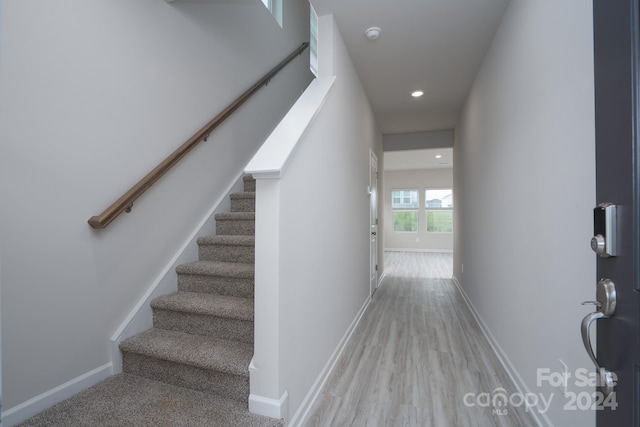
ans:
x=542 y=419
x=444 y=251
x=140 y=318
x=382 y=277
x=264 y=372
x=300 y=417
x=313 y=40
x=276 y=11
x=43 y=401
x=269 y=407
x=373 y=167
x=272 y=158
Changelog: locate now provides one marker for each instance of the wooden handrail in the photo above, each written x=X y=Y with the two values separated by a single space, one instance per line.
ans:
x=125 y=203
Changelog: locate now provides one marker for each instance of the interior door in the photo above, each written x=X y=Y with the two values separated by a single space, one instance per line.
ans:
x=373 y=221
x=616 y=42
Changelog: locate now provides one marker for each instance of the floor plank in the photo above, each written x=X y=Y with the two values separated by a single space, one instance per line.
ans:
x=415 y=354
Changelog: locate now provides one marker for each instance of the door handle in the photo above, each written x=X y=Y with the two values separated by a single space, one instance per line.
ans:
x=606 y=306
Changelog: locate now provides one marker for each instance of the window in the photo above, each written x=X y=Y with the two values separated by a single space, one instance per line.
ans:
x=275 y=7
x=439 y=210
x=404 y=207
x=313 y=42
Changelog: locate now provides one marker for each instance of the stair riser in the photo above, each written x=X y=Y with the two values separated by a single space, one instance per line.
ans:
x=250 y=186
x=216 y=382
x=243 y=205
x=198 y=324
x=227 y=253
x=235 y=227
x=230 y=286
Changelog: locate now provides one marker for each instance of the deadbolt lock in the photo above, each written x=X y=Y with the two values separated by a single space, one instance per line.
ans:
x=605 y=230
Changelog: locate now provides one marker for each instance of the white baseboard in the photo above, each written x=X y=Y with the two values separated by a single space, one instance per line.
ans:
x=381 y=278
x=269 y=407
x=300 y=417
x=140 y=318
x=440 y=251
x=542 y=419
x=33 y=406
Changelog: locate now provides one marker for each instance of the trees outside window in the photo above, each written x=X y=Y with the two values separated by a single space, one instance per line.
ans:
x=404 y=208
x=439 y=210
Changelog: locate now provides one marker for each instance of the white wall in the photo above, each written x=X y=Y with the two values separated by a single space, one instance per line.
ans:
x=315 y=263
x=525 y=189
x=325 y=205
x=418 y=180
x=325 y=187
x=94 y=95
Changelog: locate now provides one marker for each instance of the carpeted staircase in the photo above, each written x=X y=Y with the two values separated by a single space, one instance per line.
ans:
x=203 y=335
x=201 y=342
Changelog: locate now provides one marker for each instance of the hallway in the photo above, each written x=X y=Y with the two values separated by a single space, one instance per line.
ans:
x=416 y=354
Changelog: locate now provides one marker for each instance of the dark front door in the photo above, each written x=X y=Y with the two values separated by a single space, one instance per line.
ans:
x=616 y=50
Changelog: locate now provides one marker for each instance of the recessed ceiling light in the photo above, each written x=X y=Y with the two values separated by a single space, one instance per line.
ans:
x=417 y=94
x=438 y=156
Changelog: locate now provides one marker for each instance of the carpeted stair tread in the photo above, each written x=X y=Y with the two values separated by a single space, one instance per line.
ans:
x=223 y=278
x=243 y=195
x=130 y=400
x=249 y=183
x=206 y=304
x=217 y=268
x=228 y=240
x=243 y=202
x=236 y=216
x=238 y=248
x=239 y=221
x=210 y=353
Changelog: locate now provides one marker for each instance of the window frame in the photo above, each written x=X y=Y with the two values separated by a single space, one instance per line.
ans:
x=406 y=209
x=428 y=209
x=275 y=8
x=313 y=40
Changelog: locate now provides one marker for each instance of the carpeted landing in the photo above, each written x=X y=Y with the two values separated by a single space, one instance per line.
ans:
x=130 y=400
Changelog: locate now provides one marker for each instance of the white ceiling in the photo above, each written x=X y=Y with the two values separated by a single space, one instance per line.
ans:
x=432 y=45
x=418 y=159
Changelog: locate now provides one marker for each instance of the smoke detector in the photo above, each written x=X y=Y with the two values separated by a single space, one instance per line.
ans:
x=372 y=33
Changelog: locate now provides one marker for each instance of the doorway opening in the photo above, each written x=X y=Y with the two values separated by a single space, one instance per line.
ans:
x=418 y=201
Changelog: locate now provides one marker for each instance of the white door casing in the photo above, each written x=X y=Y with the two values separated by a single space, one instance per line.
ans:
x=373 y=223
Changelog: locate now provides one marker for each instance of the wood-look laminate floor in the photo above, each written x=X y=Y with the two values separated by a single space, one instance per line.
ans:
x=414 y=356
